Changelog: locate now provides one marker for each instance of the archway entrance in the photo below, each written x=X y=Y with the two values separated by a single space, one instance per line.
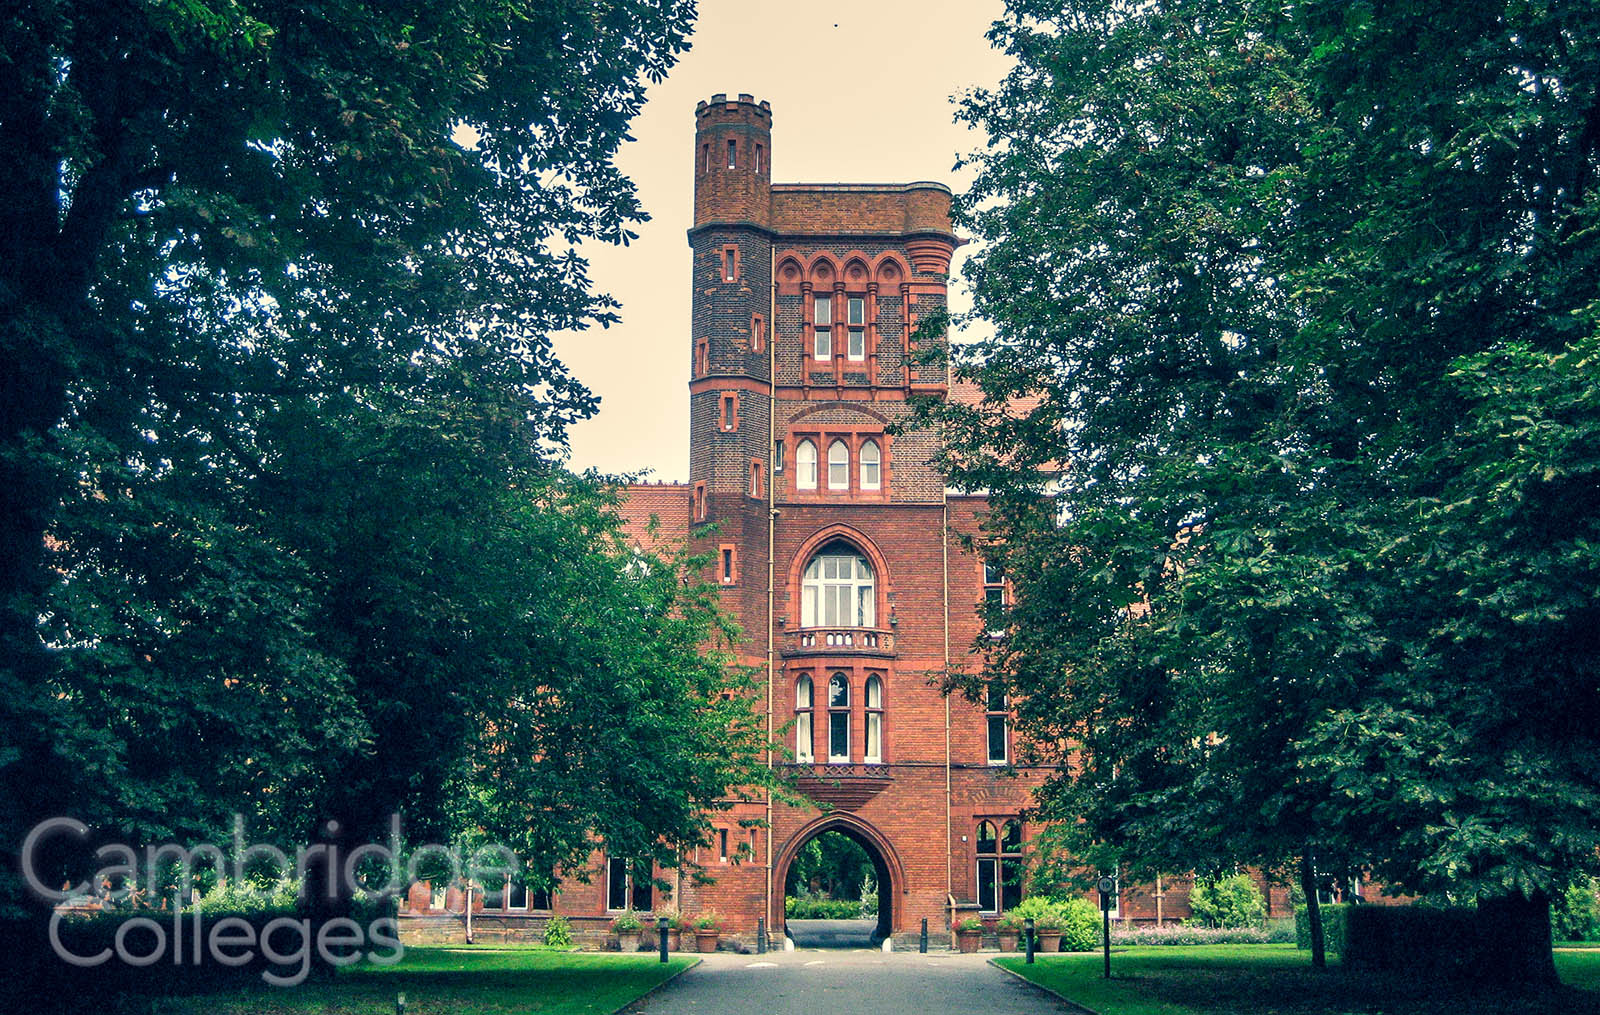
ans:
x=840 y=880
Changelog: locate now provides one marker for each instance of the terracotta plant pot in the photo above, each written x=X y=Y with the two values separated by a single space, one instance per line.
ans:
x=1049 y=940
x=706 y=940
x=1009 y=939
x=675 y=939
x=628 y=940
x=967 y=940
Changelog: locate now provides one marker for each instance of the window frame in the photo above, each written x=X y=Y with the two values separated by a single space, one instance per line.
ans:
x=805 y=719
x=819 y=590
x=996 y=714
x=838 y=467
x=855 y=329
x=876 y=464
x=839 y=715
x=822 y=327
x=872 y=729
x=630 y=887
x=806 y=471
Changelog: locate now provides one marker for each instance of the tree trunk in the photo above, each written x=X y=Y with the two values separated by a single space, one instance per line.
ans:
x=1308 y=886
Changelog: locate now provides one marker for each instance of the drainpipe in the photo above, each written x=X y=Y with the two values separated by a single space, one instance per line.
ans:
x=944 y=537
x=771 y=337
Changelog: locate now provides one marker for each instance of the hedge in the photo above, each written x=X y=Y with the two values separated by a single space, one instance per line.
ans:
x=1431 y=941
x=1334 y=923
x=821 y=909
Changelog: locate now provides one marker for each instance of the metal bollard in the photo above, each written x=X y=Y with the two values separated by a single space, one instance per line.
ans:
x=761 y=935
x=661 y=935
x=922 y=943
x=1027 y=935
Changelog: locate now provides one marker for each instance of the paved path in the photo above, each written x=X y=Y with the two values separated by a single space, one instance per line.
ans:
x=832 y=933
x=847 y=983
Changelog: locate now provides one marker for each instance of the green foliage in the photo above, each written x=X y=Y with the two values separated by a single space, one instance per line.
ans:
x=869 y=898
x=708 y=920
x=1308 y=338
x=248 y=897
x=285 y=531
x=1076 y=919
x=833 y=865
x=1233 y=901
x=1575 y=916
x=626 y=923
x=1271 y=932
x=811 y=907
x=1424 y=941
x=969 y=925
x=1333 y=927
x=558 y=932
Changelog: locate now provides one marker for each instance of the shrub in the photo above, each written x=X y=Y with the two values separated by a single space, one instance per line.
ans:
x=1575 y=915
x=558 y=932
x=817 y=908
x=1429 y=941
x=1043 y=910
x=868 y=908
x=1333 y=927
x=1273 y=932
x=1233 y=901
x=971 y=925
x=1080 y=925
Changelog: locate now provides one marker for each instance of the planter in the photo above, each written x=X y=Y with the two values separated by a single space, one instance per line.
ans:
x=675 y=939
x=1049 y=940
x=705 y=941
x=967 y=940
x=1009 y=939
x=628 y=940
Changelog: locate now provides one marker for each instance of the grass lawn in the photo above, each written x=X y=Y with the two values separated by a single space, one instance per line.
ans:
x=459 y=981
x=1279 y=980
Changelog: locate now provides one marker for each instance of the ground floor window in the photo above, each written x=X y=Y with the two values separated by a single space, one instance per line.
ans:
x=628 y=886
x=1000 y=866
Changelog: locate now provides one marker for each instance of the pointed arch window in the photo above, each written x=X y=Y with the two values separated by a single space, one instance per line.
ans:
x=871 y=466
x=1000 y=866
x=873 y=699
x=803 y=713
x=839 y=718
x=805 y=460
x=838 y=589
x=838 y=466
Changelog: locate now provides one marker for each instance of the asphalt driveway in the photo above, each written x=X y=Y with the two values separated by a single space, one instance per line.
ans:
x=847 y=983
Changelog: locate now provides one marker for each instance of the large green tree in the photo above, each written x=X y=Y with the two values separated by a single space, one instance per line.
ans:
x=1301 y=512
x=283 y=525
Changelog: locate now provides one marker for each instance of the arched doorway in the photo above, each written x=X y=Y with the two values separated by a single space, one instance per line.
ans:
x=886 y=872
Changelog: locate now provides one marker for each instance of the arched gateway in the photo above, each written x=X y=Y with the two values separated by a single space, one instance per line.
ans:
x=885 y=861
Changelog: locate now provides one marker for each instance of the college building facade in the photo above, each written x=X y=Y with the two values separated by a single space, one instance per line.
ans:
x=836 y=546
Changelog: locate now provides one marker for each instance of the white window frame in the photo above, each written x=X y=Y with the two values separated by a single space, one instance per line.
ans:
x=804 y=719
x=872 y=702
x=856 y=328
x=871 y=466
x=991 y=715
x=822 y=327
x=840 y=679
x=838 y=465
x=805 y=461
x=851 y=598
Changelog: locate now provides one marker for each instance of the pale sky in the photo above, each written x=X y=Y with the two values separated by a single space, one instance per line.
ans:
x=860 y=93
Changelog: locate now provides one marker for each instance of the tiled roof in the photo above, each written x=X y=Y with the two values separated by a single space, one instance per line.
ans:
x=667 y=503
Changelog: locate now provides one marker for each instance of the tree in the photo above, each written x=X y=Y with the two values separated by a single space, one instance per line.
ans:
x=283 y=524
x=1299 y=507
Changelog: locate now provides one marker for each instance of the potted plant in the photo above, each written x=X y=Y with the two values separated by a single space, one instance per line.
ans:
x=675 y=923
x=707 y=931
x=1047 y=921
x=628 y=931
x=969 y=933
x=1009 y=929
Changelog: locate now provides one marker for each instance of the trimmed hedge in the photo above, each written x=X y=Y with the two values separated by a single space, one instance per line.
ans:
x=1334 y=927
x=1432 y=941
x=1272 y=932
x=821 y=909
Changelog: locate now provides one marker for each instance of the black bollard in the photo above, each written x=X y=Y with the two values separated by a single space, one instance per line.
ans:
x=761 y=935
x=1027 y=935
x=922 y=943
x=661 y=935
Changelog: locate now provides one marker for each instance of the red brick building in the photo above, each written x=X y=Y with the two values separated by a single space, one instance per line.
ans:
x=835 y=544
